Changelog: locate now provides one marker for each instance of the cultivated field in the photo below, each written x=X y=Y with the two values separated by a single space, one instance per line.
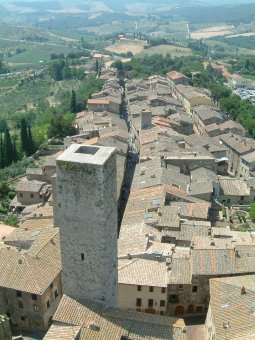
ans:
x=213 y=31
x=174 y=51
x=124 y=46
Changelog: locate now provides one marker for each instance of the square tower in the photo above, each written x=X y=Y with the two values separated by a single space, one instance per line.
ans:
x=86 y=213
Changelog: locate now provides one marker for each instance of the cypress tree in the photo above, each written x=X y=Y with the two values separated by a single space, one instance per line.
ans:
x=15 y=153
x=31 y=148
x=2 y=159
x=8 y=148
x=24 y=137
x=73 y=102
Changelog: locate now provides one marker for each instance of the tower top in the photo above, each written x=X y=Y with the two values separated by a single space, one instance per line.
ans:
x=85 y=154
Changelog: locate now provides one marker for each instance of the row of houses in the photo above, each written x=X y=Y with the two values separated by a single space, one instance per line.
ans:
x=172 y=255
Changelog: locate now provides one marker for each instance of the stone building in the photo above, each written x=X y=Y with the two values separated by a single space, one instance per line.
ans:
x=85 y=207
x=30 y=282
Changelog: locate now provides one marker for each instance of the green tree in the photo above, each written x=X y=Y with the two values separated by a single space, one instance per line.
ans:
x=24 y=137
x=2 y=159
x=56 y=69
x=8 y=148
x=15 y=152
x=61 y=127
x=73 y=105
x=97 y=66
x=252 y=211
x=31 y=148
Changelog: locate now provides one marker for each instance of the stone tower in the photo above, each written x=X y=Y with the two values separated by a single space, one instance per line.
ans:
x=86 y=213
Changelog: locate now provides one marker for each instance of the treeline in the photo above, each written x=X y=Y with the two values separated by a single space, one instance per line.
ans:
x=8 y=149
x=60 y=70
x=142 y=67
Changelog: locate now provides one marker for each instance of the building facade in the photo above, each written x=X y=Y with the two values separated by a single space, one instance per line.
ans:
x=86 y=210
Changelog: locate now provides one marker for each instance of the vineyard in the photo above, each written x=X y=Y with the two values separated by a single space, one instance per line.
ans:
x=174 y=51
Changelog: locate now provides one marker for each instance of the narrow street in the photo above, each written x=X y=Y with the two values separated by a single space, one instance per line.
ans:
x=132 y=160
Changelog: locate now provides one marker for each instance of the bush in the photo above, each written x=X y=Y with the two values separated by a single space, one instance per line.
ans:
x=12 y=220
x=11 y=194
x=3 y=210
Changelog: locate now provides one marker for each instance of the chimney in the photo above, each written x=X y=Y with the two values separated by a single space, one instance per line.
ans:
x=146 y=116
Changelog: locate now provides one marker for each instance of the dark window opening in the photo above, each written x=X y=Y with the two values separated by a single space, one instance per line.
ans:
x=150 y=303
x=194 y=289
x=138 y=302
x=18 y=293
x=34 y=297
x=162 y=303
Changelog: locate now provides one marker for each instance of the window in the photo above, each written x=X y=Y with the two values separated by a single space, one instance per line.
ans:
x=151 y=289
x=23 y=318
x=150 y=303
x=34 y=297
x=36 y=308
x=32 y=195
x=20 y=304
x=18 y=293
x=180 y=287
x=242 y=198
x=82 y=256
x=56 y=293
x=48 y=303
x=162 y=313
x=163 y=290
x=20 y=194
x=162 y=303
x=173 y=298
x=138 y=302
x=194 y=289
x=139 y=288
x=51 y=285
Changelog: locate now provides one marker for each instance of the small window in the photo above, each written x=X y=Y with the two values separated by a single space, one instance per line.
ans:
x=34 y=297
x=151 y=289
x=138 y=302
x=23 y=318
x=150 y=303
x=36 y=308
x=18 y=293
x=21 y=194
x=194 y=289
x=48 y=303
x=172 y=297
x=242 y=198
x=82 y=257
x=20 y=304
x=56 y=293
x=162 y=303
x=180 y=287
x=163 y=290
x=32 y=195
x=51 y=285
x=162 y=313
x=139 y=288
